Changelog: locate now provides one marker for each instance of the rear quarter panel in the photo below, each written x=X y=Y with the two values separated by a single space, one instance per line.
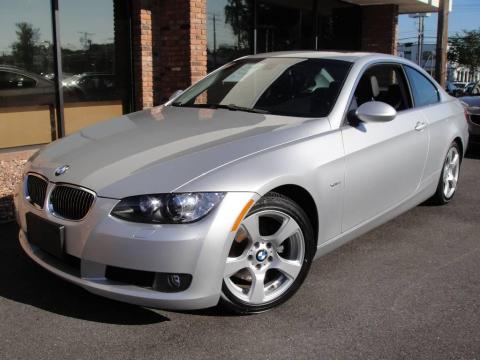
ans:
x=446 y=122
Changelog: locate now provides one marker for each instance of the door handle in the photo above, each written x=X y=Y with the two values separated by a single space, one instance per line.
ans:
x=420 y=126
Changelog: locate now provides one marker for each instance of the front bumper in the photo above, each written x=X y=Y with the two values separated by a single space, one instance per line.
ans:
x=100 y=240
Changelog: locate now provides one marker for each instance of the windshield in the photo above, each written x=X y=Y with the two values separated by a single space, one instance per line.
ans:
x=280 y=86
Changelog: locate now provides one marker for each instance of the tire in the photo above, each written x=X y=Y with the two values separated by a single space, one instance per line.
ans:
x=450 y=174
x=272 y=262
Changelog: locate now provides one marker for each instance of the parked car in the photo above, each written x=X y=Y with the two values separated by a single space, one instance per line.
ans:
x=460 y=85
x=468 y=87
x=91 y=86
x=453 y=89
x=472 y=89
x=472 y=106
x=227 y=192
x=19 y=87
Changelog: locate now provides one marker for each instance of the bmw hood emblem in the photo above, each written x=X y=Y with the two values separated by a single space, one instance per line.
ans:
x=61 y=170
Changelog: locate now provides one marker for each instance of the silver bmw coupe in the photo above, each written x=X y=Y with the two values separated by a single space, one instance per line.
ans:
x=228 y=192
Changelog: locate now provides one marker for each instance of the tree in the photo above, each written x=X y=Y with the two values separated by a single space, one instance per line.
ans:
x=239 y=15
x=23 y=49
x=465 y=49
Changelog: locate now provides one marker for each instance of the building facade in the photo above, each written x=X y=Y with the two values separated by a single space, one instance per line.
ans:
x=67 y=64
x=455 y=73
x=427 y=59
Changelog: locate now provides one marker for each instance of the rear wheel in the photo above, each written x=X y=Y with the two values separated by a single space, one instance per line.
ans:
x=447 y=184
x=270 y=256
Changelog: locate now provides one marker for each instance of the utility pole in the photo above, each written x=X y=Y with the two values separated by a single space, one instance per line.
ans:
x=85 y=39
x=442 y=42
x=214 y=41
x=421 y=37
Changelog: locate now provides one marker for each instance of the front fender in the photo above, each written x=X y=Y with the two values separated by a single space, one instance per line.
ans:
x=315 y=164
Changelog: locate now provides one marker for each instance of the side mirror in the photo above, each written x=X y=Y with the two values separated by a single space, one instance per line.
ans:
x=175 y=94
x=376 y=111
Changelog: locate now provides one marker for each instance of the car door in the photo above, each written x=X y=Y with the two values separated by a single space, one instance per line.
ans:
x=426 y=98
x=384 y=162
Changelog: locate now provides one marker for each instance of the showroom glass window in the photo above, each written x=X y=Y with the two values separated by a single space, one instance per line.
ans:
x=94 y=54
x=230 y=25
x=242 y=27
x=26 y=65
x=93 y=67
x=285 y=25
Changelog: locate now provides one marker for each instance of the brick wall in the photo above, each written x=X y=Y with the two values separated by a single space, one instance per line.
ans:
x=142 y=53
x=379 y=28
x=169 y=47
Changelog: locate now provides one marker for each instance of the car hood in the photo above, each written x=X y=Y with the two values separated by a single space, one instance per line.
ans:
x=160 y=149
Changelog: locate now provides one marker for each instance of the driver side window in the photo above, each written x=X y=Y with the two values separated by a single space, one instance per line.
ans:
x=385 y=83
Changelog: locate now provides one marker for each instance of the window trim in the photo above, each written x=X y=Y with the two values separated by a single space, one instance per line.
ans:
x=439 y=99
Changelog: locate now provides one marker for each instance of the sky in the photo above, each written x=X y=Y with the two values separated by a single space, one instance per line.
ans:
x=76 y=17
x=95 y=17
x=465 y=15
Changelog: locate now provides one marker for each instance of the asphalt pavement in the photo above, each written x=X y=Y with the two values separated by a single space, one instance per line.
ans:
x=407 y=290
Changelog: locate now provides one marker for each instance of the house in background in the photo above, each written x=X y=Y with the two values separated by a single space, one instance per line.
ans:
x=118 y=56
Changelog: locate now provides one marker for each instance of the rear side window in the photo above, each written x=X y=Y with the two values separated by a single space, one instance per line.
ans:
x=423 y=91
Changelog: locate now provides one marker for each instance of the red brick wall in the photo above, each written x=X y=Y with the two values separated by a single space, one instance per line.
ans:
x=142 y=53
x=198 y=36
x=169 y=47
x=379 y=28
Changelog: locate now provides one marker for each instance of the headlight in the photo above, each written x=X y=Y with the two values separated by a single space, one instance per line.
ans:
x=181 y=208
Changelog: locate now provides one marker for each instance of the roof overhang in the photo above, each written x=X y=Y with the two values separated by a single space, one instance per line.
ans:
x=404 y=6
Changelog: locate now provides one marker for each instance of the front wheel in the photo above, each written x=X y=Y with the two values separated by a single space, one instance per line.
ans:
x=270 y=256
x=447 y=184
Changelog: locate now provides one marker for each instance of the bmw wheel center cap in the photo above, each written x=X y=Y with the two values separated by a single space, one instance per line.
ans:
x=262 y=255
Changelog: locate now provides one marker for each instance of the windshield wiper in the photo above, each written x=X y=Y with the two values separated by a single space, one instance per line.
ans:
x=234 y=107
x=231 y=107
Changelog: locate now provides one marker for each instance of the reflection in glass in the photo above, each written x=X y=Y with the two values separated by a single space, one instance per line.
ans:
x=285 y=26
x=229 y=29
x=93 y=74
x=242 y=27
x=27 y=113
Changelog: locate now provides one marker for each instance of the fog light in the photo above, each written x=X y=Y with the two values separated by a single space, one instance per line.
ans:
x=166 y=282
x=174 y=281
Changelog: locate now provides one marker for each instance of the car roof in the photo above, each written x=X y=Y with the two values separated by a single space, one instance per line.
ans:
x=332 y=55
x=22 y=71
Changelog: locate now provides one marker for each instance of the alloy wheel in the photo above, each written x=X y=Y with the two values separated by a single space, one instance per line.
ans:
x=450 y=172
x=266 y=257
